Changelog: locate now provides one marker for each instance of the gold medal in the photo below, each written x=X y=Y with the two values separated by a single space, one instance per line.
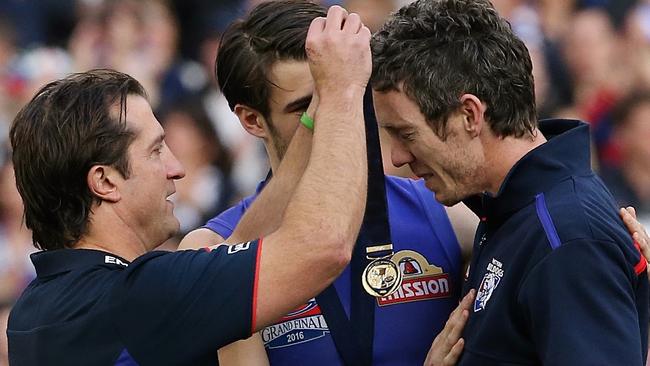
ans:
x=382 y=276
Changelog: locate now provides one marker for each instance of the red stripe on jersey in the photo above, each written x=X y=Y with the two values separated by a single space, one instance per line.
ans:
x=643 y=263
x=255 y=283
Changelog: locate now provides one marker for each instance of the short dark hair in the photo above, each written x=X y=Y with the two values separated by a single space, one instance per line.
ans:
x=273 y=31
x=437 y=50
x=56 y=138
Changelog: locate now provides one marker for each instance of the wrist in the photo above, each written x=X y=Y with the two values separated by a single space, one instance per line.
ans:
x=307 y=121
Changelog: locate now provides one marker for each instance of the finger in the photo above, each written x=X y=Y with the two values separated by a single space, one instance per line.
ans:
x=317 y=26
x=454 y=354
x=643 y=244
x=365 y=32
x=629 y=221
x=627 y=213
x=457 y=330
x=352 y=23
x=465 y=304
x=467 y=301
x=335 y=17
x=632 y=211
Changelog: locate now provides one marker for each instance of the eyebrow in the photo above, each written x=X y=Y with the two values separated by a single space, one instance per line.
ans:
x=157 y=141
x=297 y=104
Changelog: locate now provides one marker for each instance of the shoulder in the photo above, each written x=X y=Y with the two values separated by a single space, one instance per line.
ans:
x=580 y=208
x=200 y=238
x=224 y=223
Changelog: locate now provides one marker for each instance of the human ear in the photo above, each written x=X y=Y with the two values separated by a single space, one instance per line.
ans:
x=473 y=111
x=101 y=183
x=251 y=120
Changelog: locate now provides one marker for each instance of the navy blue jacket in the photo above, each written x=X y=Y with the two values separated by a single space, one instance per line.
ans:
x=558 y=278
x=88 y=307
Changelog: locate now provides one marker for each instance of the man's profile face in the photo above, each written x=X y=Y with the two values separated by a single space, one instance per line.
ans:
x=144 y=196
x=291 y=88
x=450 y=168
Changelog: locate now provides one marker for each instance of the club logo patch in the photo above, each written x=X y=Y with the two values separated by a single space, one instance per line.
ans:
x=304 y=324
x=488 y=284
x=421 y=280
x=232 y=249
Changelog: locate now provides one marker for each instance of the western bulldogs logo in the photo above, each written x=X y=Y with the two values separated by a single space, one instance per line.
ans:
x=488 y=284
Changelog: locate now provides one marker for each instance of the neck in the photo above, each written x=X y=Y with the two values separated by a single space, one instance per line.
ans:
x=103 y=235
x=127 y=252
x=503 y=153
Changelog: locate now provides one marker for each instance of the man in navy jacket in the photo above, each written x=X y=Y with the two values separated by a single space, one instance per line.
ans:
x=558 y=280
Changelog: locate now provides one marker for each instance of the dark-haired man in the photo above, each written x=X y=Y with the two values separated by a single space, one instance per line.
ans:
x=95 y=175
x=263 y=72
x=558 y=279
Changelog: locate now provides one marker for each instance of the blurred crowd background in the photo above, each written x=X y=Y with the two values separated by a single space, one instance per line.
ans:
x=591 y=61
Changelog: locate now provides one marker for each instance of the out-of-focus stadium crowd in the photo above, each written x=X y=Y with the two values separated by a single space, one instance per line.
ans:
x=591 y=61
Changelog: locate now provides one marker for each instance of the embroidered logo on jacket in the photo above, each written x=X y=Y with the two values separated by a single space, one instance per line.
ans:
x=488 y=284
x=421 y=281
x=304 y=324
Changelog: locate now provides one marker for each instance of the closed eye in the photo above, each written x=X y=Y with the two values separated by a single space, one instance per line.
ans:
x=410 y=136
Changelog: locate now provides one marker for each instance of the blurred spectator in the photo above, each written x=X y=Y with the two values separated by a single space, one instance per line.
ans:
x=207 y=188
x=8 y=54
x=197 y=18
x=138 y=37
x=248 y=155
x=15 y=240
x=591 y=47
x=552 y=88
x=630 y=182
x=636 y=54
x=36 y=67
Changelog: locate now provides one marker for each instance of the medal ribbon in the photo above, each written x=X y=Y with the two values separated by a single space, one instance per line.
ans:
x=353 y=337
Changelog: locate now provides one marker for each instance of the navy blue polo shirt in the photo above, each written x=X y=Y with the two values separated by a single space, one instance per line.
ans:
x=558 y=278
x=89 y=307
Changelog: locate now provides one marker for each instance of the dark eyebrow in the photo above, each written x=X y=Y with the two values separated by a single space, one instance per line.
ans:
x=300 y=103
x=157 y=141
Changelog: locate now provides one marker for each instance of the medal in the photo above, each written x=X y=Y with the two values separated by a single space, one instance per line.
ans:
x=382 y=276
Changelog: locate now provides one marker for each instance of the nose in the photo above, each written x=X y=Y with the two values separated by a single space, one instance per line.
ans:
x=175 y=170
x=399 y=155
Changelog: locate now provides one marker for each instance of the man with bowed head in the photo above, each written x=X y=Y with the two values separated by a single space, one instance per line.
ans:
x=95 y=175
x=559 y=281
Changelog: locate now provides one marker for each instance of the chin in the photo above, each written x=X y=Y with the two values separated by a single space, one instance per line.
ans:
x=446 y=200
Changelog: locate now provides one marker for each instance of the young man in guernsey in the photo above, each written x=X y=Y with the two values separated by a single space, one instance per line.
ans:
x=262 y=70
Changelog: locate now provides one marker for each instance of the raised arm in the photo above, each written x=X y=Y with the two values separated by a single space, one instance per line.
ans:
x=316 y=235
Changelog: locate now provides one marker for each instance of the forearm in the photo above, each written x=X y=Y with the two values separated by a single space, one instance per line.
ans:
x=265 y=214
x=330 y=197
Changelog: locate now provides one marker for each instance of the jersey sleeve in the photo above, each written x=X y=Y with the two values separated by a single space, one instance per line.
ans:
x=581 y=304
x=181 y=306
x=224 y=223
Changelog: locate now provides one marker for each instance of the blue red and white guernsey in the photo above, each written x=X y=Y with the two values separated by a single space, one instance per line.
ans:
x=88 y=307
x=559 y=280
x=406 y=321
